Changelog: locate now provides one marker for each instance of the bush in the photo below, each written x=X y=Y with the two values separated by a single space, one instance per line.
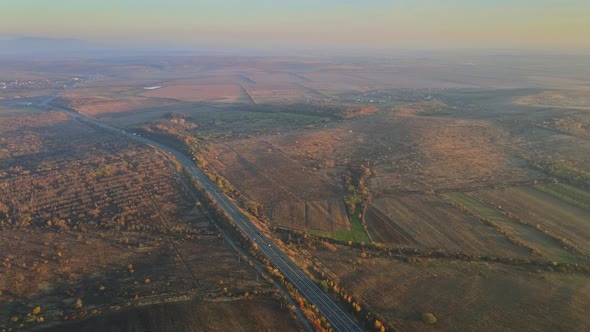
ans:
x=428 y=318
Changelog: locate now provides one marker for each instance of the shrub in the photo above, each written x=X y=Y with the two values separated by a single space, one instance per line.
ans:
x=428 y=318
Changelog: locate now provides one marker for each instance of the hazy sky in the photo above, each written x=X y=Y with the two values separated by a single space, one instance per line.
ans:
x=380 y=24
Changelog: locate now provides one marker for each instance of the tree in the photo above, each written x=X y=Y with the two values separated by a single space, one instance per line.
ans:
x=378 y=324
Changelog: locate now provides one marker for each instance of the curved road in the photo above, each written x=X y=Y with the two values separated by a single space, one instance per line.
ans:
x=339 y=320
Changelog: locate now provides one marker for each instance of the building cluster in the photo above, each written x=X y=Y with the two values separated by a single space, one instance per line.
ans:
x=29 y=84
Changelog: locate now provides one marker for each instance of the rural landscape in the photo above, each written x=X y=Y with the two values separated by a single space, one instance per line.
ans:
x=430 y=194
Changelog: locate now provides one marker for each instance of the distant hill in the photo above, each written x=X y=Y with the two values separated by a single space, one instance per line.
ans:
x=76 y=48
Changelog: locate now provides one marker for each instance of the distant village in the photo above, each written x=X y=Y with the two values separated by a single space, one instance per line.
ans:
x=30 y=84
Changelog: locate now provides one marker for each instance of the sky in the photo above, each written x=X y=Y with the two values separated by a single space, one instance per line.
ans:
x=362 y=24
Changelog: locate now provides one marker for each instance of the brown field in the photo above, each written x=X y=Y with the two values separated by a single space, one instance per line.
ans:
x=104 y=105
x=78 y=206
x=51 y=269
x=259 y=314
x=290 y=215
x=383 y=230
x=322 y=215
x=568 y=99
x=211 y=93
x=428 y=221
x=274 y=165
x=439 y=153
x=278 y=87
x=410 y=153
x=279 y=93
x=526 y=235
x=19 y=109
x=462 y=296
x=280 y=184
x=536 y=207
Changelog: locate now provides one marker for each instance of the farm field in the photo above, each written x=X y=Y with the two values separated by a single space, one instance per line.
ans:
x=567 y=193
x=210 y=93
x=355 y=234
x=538 y=208
x=285 y=188
x=532 y=237
x=106 y=103
x=16 y=110
x=462 y=296
x=430 y=222
x=568 y=99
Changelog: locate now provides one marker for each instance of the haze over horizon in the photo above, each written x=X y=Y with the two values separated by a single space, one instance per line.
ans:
x=306 y=24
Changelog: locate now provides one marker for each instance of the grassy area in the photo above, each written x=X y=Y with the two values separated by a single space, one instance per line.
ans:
x=18 y=110
x=527 y=234
x=567 y=193
x=433 y=113
x=356 y=234
x=246 y=121
x=133 y=92
x=566 y=172
x=477 y=207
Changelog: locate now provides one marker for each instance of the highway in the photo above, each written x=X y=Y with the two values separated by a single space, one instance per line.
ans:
x=338 y=319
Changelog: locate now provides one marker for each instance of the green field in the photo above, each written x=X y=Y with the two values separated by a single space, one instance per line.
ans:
x=567 y=193
x=527 y=234
x=356 y=234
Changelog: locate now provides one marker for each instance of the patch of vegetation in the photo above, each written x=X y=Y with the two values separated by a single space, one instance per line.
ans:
x=358 y=194
x=567 y=193
x=428 y=318
x=435 y=112
x=476 y=207
x=516 y=230
x=568 y=125
x=257 y=122
x=329 y=110
x=493 y=219
x=356 y=234
x=566 y=172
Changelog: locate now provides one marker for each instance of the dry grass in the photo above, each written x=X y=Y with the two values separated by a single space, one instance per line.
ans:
x=428 y=221
x=59 y=173
x=463 y=296
x=536 y=207
x=259 y=314
x=89 y=215
x=281 y=184
x=210 y=93
x=578 y=98
x=409 y=153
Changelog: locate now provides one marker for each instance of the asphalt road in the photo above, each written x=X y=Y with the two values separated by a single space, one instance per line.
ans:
x=339 y=320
